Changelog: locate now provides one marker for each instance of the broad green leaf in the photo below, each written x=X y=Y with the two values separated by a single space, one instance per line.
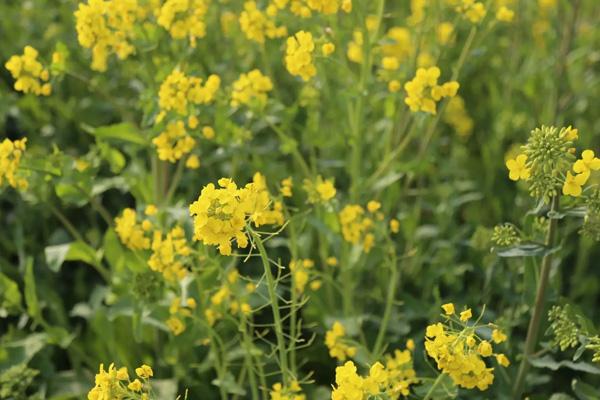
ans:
x=550 y=363
x=23 y=350
x=525 y=250
x=74 y=251
x=55 y=255
x=583 y=391
x=124 y=131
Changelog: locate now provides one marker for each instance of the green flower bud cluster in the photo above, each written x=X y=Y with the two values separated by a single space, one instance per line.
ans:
x=549 y=156
x=564 y=327
x=591 y=222
x=148 y=286
x=505 y=235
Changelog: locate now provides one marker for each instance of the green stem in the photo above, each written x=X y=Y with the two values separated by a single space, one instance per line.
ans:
x=295 y=152
x=274 y=305
x=540 y=297
x=174 y=182
x=391 y=294
x=248 y=359
x=432 y=388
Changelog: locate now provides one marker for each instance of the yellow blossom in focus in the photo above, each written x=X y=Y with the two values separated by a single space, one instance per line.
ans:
x=145 y=371
x=299 y=55
x=29 y=74
x=448 y=308
x=573 y=183
x=588 y=162
x=130 y=232
x=423 y=90
x=251 y=88
x=184 y=19
x=168 y=252
x=136 y=385
x=466 y=315
x=356 y=228
x=10 y=159
x=498 y=337
x=258 y=25
x=518 y=168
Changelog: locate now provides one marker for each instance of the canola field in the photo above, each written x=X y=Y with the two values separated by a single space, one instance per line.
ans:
x=299 y=199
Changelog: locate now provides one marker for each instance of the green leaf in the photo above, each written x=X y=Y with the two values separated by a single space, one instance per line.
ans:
x=33 y=307
x=583 y=391
x=23 y=350
x=10 y=296
x=74 y=251
x=550 y=363
x=114 y=158
x=525 y=250
x=55 y=255
x=124 y=131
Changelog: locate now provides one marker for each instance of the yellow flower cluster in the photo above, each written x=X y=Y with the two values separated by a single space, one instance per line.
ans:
x=132 y=234
x=456 y=116
x=291 y=392
x=505 y=14
x=251 y=88
x=460 y=353
x=257 y=25
x=178 y=90
x=444 y=32
x=286 y=187
x=167 y=254
x=390 y=381
x=29 y=74
x=320 y=190
x=582 y=170
x=355 y=47
x=107 y=27
x=417 y=12
x=300 y=270
x=184 y=19
x=299 y=55
x=356 y=227
x=10 y=159
x=336 y=343
x=115 y=384
x=423 y=90
x=174 y=142
x=304 y=8
x=220 y=215
x=398 y=46
x=232 y=295
x=472 y=10
x=179 y=311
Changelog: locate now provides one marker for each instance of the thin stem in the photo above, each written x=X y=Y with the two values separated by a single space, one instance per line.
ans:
x=174 y=182
x=432 y=388
x=295 y=152
x=540 y=297
x=389 y=302
x=248 y=359
x=274 y=305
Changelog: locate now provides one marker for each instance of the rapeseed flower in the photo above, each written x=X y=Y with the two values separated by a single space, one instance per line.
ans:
x=29 y=74
x=11 y=153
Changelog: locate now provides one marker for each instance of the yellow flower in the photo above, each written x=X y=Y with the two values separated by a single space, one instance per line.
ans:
x=390 y=63
x=10 y=159
x=29 y=74
x=174 y=142
x=184 y=19
x=136 y=385
x=448 y=308
x=334 y=340
x=444 y=32
x=258 y=25
x=220 y=215
x=456 y=116
x=394 y=225
x=327 y=49
x=356 y=228
x=299 y=55
x=498 y=336
x=178 y=91
x=251 y=88
x=193 y=162
x=518 y=168
x=130 y=232
x=423 y=91
x=175 y=325
x=410 y=344
x=485 y=349
x=399 y=45
x=434 y=330
x=394 y=86
x=373 y=206
x=145 y=371
x=286 y=187
x=588 y=162
x=331 y=261
x=502 y=360
x=122 y=374
x=505 y=14
x=208 y=132
x=354 y=52
x=168 y=254
x=151 y=210
x=573 y=183
x=466 y=315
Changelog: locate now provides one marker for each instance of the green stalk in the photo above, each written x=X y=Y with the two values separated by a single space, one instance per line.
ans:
x=248 y=360
x=389 y=302
x=540 y=297
x=431 y=389
x=274 y=305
